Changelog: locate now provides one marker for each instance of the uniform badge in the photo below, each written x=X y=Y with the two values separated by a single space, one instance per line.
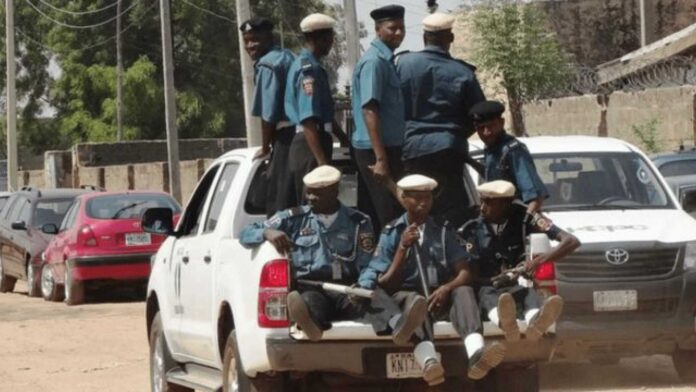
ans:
x=469 y=246
x=307 y=231
x=367 y=242
x=543 y=224
x=308 y=85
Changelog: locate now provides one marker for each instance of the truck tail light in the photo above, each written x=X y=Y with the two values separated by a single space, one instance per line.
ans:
x=545 y=279
x=273 y=294
x=86 y=237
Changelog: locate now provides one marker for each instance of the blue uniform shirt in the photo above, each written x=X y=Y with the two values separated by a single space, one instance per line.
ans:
x=270 y=74
x=349 y=240
x=307 y=92
x=439 y=249
x=438 y=92
x=375 y=79
x=510 y=160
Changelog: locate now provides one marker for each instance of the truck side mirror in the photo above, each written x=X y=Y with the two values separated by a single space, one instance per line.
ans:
x=19 y=225
x=158 y=221
x=49 y=228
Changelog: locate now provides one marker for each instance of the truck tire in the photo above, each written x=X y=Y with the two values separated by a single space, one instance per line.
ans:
x=50 y=291
x=507 y=378
x=234 y=379
x=161 y=360
x=684 y=363
x=33 y=280
x=7 y=283
x=74 y=289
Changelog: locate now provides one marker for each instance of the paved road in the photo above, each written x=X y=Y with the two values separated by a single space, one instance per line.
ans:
x=102 y=347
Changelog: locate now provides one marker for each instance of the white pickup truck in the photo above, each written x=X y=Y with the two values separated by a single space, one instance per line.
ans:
x=216 y=312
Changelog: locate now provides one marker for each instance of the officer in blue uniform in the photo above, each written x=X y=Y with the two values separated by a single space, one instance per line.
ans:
x=330 y=242
x=505 y=157
x=308 y=102
x=496 y=242
x=378 y=111
x=270 y=75
x=438 y=92
x=413 y=243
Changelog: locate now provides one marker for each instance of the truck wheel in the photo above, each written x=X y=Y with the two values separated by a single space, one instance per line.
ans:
x=33 y=280
x=7 y=283
x=685 y=362
x=511 y=379
x=161 y=360
x=74 y=289
x=234 y=379
x=49 y=289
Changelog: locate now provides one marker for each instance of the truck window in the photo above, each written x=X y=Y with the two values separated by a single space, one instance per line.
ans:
x=194 y=210
x=23 y=211
x=221 y=191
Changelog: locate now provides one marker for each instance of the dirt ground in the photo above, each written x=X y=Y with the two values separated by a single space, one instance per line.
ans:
x=102 y=347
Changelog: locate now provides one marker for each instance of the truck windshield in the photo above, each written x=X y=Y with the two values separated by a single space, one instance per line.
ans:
x=596 y=181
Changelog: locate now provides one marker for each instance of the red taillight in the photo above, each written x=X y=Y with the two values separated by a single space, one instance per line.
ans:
x=545 y=279
x=273 y=294
x=86 y=237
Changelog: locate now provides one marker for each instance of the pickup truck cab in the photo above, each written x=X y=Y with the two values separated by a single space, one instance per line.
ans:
x=630 y=289
x=216 y=312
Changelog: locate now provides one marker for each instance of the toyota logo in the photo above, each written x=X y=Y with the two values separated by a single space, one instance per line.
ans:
x=616 y=256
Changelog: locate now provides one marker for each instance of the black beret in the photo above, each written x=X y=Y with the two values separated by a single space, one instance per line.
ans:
x=387 y=12
x=486 y=110
x=256 y=24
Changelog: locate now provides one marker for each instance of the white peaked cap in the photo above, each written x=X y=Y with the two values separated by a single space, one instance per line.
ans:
x=438 y=22
x=315 y=22
x=322 y=176
x=496 y=189
x=416 y=182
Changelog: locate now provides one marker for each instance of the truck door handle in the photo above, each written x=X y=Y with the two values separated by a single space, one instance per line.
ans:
x=207 y=258
x=185 y=259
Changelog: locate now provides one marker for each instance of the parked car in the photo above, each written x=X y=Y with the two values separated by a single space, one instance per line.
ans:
x=21 y=238
x=4 y=196
x=100 y=240
x=679 y=163
x=630 y=289
x=684 y=188
x=216 y=312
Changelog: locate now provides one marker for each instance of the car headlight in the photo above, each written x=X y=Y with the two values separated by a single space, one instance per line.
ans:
x=690 y=255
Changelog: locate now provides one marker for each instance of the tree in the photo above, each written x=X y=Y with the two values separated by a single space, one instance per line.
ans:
x=514 y=45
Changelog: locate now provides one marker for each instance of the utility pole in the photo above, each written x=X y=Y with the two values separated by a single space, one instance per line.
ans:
x=170 y=101
x=647 y=22
x=119 y=76
x=11 y=97
x=352 y=43
x=253 y=126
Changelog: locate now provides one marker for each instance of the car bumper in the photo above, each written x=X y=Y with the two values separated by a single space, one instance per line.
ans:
x=118 y=267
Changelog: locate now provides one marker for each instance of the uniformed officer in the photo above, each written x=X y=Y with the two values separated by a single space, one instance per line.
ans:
x=270 y=75
x=496 y=243
x=505 y=157
x=438 y=92
x=413 y=239
x=330 y=242
x=308 y=101
x=378 y=111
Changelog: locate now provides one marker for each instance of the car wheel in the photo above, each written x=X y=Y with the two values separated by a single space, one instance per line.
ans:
x=7 y=283
x=234 y=379
x=74 y=289
x=49 y=289
x=161 y=360
x=33 y=280
x=684 y=363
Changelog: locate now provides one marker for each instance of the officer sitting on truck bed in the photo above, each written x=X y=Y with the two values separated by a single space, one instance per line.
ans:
x=330 y=242
x=496 y=243
x=445 y=267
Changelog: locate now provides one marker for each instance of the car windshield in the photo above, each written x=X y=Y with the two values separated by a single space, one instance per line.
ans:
x=127 y=206
x=596 y=181
x=50 y=211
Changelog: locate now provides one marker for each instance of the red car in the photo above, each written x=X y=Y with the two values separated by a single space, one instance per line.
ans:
x=100 y=239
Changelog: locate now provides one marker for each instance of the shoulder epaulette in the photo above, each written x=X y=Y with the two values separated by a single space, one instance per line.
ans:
x=266 y=65
x=470 y=66
x=358 y=216
x=466 y=225
x=295 y=211
x=397 y=56
x=306 y=65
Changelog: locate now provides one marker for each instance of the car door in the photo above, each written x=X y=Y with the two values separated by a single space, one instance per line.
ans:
x=197 y=284
x=184 y=251
x=17 y=239
x=6 y=232
x=59 y=248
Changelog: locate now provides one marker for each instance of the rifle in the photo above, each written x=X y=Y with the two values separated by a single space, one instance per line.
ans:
x=426 y=289
x=338 y=288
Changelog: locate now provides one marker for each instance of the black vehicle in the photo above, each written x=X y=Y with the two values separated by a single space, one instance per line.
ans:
x=21 y=238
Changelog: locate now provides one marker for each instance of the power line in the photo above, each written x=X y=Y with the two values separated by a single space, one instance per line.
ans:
x=63 y=24
x=209 y=12
x=58 y=9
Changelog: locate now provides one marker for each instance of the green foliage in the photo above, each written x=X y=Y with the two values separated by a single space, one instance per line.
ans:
x=646 y=133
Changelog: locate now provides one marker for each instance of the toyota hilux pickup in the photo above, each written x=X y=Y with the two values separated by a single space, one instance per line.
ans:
x=217 y=316
x=630 y=289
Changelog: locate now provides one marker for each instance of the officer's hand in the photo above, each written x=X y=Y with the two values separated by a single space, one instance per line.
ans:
x=280 y=240
x=410 y=236
x=381 y=171
x=538 y=260
x=262 y=152
x=439 y=298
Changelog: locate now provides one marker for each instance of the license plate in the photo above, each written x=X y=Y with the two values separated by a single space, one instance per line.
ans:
x=613 y=301
x=135 y=239
x=403 y=365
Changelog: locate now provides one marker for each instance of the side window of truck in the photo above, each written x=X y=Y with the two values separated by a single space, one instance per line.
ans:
x=194 y=210
x=221 y=190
